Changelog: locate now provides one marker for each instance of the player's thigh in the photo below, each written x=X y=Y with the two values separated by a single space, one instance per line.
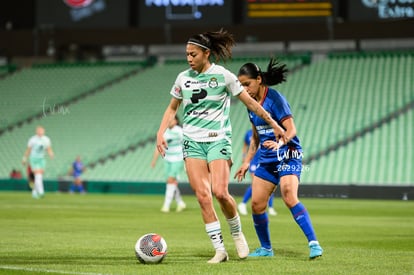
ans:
x=198 y=175
x=261 y=191
x=220 y=173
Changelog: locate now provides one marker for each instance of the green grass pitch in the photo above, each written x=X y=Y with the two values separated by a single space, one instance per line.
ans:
x=96 y=234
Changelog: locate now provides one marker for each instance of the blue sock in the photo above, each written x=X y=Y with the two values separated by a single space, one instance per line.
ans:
x=247 y=194
x=302 y=218
x=261 y=224
x=270 y=203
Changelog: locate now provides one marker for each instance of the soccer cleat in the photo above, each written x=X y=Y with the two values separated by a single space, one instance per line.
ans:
x=242 y=209
x=165 y=209
x=221 y=256
x=272 y=211
x=315 y=251
x=181 y=206
x=262 y=252
x=241 y=245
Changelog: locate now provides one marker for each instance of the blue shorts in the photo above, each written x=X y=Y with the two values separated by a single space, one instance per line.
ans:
x=273 y=171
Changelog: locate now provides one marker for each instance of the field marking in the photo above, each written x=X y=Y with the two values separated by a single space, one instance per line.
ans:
x=48 y=270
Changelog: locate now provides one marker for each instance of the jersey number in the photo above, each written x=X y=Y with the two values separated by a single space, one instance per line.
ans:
x=198 y=94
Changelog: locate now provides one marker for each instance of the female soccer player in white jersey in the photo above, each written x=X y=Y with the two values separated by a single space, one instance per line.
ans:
x=205 y=90
x=280 y=163
x=36 y=148
x=173 y=165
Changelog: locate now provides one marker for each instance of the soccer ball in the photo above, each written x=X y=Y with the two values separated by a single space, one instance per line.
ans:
x=151 y=248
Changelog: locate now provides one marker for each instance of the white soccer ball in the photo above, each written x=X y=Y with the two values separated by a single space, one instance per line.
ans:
x=151 y=248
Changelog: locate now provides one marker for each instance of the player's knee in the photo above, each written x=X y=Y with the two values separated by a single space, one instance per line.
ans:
x=204 y=198
x=290 y=201
x=221 y=195
x=258 y=207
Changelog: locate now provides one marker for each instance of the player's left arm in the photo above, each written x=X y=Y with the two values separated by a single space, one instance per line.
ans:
x=290 y=128
x=26 y=155
x=50 y=152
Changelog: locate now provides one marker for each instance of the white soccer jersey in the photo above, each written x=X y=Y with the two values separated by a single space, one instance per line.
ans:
x=38 y=146
x=206 y=102
x=174 y=138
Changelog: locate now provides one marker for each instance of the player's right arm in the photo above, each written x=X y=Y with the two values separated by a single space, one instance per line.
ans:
x=244 y=167
x=154 y=158
x=169 y=114
x=255 y=107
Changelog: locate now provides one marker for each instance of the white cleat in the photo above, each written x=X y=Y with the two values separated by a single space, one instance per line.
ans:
x=242 y=208
x=165 y=210
x=272 y=211
x=221 y=256
x=241 y=245
x=181 y=206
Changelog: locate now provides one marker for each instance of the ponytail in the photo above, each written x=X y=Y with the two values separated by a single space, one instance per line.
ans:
x=219 y=43
x=275 y=74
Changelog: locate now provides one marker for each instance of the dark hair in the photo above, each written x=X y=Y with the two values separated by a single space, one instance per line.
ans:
x=218 y=42
x=275 y=74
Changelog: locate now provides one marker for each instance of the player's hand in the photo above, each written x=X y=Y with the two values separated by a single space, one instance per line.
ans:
x=280 y=134
x=274 y=145
x=161 y=145
x=241 y=172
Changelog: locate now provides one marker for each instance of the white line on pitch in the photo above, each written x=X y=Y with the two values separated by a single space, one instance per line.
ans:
x=48 y=270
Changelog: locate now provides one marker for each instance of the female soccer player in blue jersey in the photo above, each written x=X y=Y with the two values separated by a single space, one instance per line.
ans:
x=205 y=90
x=280 y=161
x=76 y=172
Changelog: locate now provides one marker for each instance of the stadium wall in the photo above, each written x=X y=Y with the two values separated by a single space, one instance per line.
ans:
x=158 y=188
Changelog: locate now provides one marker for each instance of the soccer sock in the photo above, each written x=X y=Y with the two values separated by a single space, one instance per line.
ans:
x=214 y=233
x=169 y=195
x=80 y=188
x=72 y=188
x=177 y=195
x=247 y=194
x=39 y=184
x=261 y=224
x=270 y=202
x=302 y=218
x=235 y=225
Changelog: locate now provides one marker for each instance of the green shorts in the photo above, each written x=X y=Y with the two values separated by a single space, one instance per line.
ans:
x=173 y=168
x=209 y=151
x=37 y=163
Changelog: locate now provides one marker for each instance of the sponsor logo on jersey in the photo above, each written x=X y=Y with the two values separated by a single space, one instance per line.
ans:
x=188 y=83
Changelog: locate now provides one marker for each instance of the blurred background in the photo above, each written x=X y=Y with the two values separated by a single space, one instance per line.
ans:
x=97 y=74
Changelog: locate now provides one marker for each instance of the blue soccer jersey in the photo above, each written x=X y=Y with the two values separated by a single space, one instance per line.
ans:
x=77 y=169
x=278 y=107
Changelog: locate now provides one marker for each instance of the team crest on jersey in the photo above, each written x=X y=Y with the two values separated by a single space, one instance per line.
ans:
x=213 y=83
